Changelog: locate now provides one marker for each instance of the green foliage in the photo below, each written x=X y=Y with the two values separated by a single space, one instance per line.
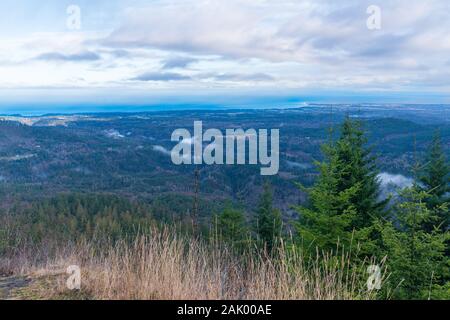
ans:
x=73 y=216
x=327 y=220
x=268 y=226
x=416 y=258
x=435 y=179
x=345 y=196
x=231 y=227
x=344 y=207
x=357 y=169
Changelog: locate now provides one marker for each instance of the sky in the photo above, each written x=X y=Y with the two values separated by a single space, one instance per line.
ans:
x=136 y=52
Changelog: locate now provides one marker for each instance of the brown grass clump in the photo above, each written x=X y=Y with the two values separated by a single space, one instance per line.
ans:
x=164 y=266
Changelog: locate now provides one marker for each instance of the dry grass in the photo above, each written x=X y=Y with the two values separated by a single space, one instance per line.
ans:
x=164 y=266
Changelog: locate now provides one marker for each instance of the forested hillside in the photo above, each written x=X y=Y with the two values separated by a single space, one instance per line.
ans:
x=313 y=231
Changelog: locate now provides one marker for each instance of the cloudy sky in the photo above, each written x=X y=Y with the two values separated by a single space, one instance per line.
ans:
x=143 y=52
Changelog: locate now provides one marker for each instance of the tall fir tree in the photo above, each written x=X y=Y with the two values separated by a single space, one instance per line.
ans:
x=358 y=167
x=327 y=220
x=268 y=224
x=345 y=197
x=435 y=180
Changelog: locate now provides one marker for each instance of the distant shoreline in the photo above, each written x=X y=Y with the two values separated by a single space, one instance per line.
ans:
x=30 y=112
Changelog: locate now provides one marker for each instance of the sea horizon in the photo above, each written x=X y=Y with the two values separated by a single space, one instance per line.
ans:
x=37 y=111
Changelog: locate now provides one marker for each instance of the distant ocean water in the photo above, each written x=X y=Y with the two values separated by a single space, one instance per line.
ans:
x=42 y=110
x=443 y=110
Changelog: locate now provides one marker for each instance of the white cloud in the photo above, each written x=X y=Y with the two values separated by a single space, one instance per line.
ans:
x=391 y=184
x=113 y=133
x=162 y=150
x=396 y=180
x=239 y=44
x=326 y=43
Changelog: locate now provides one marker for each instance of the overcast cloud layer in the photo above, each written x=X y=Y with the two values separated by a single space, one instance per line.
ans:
x=319 y=46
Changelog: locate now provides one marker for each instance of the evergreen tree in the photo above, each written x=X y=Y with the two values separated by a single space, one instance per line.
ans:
x=436 y=180
x=357 y=168
x=345 y=197
x=327 y=220
x=268 y=222
x=231 y=227
x=416 y=258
